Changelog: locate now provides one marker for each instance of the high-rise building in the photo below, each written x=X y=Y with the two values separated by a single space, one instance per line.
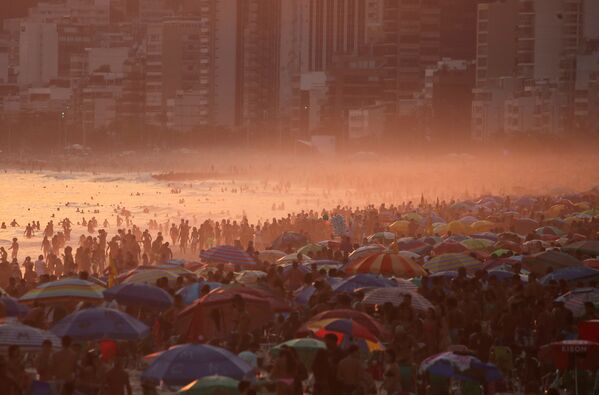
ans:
x=38 y=53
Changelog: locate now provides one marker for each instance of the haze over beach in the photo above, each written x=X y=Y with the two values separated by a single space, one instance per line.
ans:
x=245 y=184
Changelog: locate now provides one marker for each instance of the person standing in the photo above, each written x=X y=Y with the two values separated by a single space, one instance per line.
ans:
x=14 y=247
x=116 y=380
x=40 y=266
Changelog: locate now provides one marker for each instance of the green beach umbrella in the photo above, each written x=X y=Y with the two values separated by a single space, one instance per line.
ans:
x=306 y=349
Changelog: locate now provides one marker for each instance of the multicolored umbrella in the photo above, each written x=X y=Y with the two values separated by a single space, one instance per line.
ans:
x=400 y=227
x=361 y=318
x=388 y=265
x=459 y=366
x=574 y=300
x=211 y=385
x=306 y=349
x=347 y=327
x=365 y=251
x=100 y=323
x=68 y=289
x=26 y=337
x=227 y=254
x=447 y=262
x=396 y=296
x=139 y=295
x=180 y=365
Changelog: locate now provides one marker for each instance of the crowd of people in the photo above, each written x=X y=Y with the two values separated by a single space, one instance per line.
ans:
x=500 y=321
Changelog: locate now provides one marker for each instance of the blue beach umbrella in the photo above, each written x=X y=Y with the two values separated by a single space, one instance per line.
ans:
x=139 y=295
x=100 y=323
x=191 y=292
x=227 y=254
x=180 y=365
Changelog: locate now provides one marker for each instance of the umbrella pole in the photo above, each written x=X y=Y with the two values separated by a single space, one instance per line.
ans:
x=575 y=377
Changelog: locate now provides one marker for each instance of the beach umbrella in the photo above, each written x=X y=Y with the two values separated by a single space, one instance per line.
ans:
x=482 y=226
x=525 y=201
x=302 y=296
x=485 y=235
x=460 y=366
x=587 y=247
x=361 y=280
x=361 y=318
x=477 y=244
x=457 y=227
x=334 y=244
x=311 y=248
x=395 y=296
x=179 y=366
x=13 y=333
x=100 y=323
x=151 y=276
x=400 y=227
x=366 y=250
x=509 y=236
x=468 y=220
x=323 y=264
x=447 y=262
x=270 y=256
x=68 y=289
x=419 y=247
x=382 y=236
x=575 y=299
x=524 y=226
x=191 y=292
x=289 y=240
x=347 y=327
x=12 y=307
x=249 y=276
x=501 y=253
x=173 y=269
x=431 y=240
x=447 y=247
x=306 y=349
x=413 y=217
x=549 y=231
x=571 y=354
x=388 y=265
x=211 y=385
x=409 y=255
x=139 y=295
x=571 y=274
x=540 y=262
x=288 y=259
x=227 y=254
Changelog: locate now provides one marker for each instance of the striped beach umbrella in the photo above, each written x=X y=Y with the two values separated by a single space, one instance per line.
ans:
x=448 y=246
x=574 y=300
x=68 y=289
x=447 y=262
x=227 y=254
x=395 y=296
x=388 y=265
x=26 y=337
x=365 y=251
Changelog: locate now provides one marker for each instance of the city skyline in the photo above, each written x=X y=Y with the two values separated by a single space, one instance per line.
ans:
x=340 y=71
